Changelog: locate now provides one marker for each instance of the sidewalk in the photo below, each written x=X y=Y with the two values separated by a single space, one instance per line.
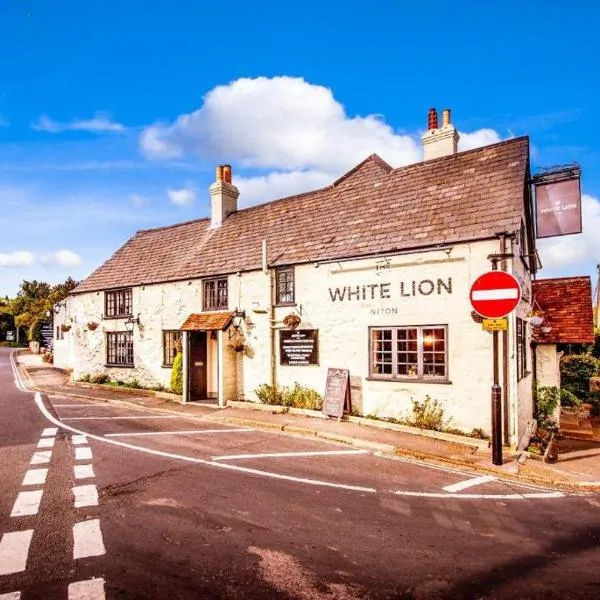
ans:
x=578 y=466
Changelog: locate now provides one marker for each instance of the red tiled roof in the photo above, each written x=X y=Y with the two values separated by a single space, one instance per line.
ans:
x=566 y=304
x=372 y=209
x=211 y=321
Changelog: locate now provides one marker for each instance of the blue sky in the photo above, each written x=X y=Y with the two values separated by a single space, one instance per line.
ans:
x=114 y=114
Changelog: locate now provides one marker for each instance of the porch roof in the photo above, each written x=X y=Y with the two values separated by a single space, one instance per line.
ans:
x=211 y=321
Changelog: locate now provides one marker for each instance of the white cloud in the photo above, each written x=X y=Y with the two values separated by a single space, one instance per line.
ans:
x=282 y=123
x=63 y=258
x=20 y=258
x=278 y=185
x=137 y=200
x=476 y=139
x=574 y=250
x=99 y=123
x=182 y=197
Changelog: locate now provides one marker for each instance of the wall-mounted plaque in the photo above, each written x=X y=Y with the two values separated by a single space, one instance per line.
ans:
x=299 y=347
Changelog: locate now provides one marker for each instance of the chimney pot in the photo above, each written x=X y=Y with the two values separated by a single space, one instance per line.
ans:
x=446 y=118
x=227 y=173
x=432 y=119
x=219 y=173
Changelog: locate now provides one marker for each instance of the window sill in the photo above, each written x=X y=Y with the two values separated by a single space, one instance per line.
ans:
x=215 y=309
x=284 y=304
x=113 y=318
x=119 y=366
x=167 y=366
x=409 y=380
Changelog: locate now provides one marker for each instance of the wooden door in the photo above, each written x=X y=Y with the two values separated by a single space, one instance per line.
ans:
x=197 y=365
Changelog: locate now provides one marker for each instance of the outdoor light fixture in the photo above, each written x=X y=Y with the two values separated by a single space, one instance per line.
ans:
x=130 y=322
x=238 y=317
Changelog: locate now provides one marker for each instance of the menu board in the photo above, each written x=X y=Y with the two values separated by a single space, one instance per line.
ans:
x=299 y=347
x=47 y=333
x=337 y=392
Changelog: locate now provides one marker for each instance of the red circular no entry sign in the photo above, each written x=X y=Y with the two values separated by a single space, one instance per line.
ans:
x=495 y=294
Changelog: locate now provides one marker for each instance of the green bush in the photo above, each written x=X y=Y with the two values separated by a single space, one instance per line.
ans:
x=568 y=398
x=302 y=397
x=99 y=378
x=85 y=378
x=428 y=414
x=575 y=373
x=177 y=374
x=546 y=401
x=135 y=384
x=270 y=394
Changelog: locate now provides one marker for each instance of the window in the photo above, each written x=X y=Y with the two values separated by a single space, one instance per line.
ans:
x=215 y=294
x=285 y=286
x=119 y=349
x=171 y=345
x=418 y=353
x=521 y=349
x=118 y=303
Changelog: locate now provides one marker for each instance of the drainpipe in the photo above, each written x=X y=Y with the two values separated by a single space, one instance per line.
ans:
x=269 y=273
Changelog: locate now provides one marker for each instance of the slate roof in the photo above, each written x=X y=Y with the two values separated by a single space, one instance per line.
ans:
x=566 y=304
x=211 y=321
x=372 y=209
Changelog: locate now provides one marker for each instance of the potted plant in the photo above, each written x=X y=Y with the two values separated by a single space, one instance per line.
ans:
x=65 y=327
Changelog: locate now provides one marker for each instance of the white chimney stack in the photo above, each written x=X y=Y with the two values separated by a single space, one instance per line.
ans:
x=223 y=195
x=439 y=141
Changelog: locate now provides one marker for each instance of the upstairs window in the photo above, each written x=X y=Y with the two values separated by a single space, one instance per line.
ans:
x=118 y=303
x=285 y=286
x=215 y=294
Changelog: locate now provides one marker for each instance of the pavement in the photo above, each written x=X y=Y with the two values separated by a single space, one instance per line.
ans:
x=578 y=466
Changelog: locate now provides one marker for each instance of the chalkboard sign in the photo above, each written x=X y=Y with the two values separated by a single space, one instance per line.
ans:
x=299 y=347
x=337 y=393
x=47 y=333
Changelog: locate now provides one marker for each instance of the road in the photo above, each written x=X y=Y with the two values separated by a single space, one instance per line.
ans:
x=105 y=501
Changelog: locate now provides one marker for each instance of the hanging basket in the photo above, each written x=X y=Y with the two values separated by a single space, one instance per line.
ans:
x=92 y=325
x=65 y=327
x=292 y=321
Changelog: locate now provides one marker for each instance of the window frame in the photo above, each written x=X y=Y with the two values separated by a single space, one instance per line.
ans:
x=419 y=377
x=215 y=280
x=521 y=354
x=278 y=294
x=129 y=351
x=127 y=295
x=174 y=334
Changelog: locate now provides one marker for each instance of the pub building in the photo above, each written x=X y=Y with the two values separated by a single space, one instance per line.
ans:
x=371 y=273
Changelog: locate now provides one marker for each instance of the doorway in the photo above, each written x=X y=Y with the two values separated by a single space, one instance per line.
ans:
x=197 y=367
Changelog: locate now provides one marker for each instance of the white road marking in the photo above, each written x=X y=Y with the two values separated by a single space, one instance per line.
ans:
x=200 y=461
x=190 y=432
x=85 y=495
x=108 y=418
x=35 y=477
x=91 y=405
x=503 y=294
x=14 y=549
x=83 y=471
x=40 y=458
x=46 y=443
x=49 y=431
x=18 y=381
x=537 y=496
x=87 y=539
x=289 y=454
x=27 y=503
x=83 y=453
x=91 y=589
x=463 y=485
x=11 y=596
x=78 y=440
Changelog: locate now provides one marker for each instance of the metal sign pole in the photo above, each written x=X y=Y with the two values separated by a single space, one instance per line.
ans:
x=496 y=406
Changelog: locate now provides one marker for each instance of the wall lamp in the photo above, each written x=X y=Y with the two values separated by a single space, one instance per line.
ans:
x=238 y=317
x=130 y=322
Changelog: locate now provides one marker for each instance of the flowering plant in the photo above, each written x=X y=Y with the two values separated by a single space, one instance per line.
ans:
x=292 y=321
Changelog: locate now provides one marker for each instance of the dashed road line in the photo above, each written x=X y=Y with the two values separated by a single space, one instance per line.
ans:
x=47 y=442
x=463 y=485
x=91 y=589
x=190 y=432
x=85 y=495
x=83 y=453
x=533 y=496
x=87 y=539
x=41 y=457
x=83 y=471
x=35 y=477
x=289 y=454
x=78 y=440
x=49 y=431
x=14 y=549
x=27 y=503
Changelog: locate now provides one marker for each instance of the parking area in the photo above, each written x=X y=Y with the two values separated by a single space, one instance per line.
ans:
x=277 y=455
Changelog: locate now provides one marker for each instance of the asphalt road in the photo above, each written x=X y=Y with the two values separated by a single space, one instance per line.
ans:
x=125 y=503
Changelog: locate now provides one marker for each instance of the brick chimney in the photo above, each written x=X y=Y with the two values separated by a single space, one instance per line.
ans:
x=223 y=196
x=439 y=141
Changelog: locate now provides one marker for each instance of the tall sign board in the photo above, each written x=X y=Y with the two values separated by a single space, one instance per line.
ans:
x=558 y=202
